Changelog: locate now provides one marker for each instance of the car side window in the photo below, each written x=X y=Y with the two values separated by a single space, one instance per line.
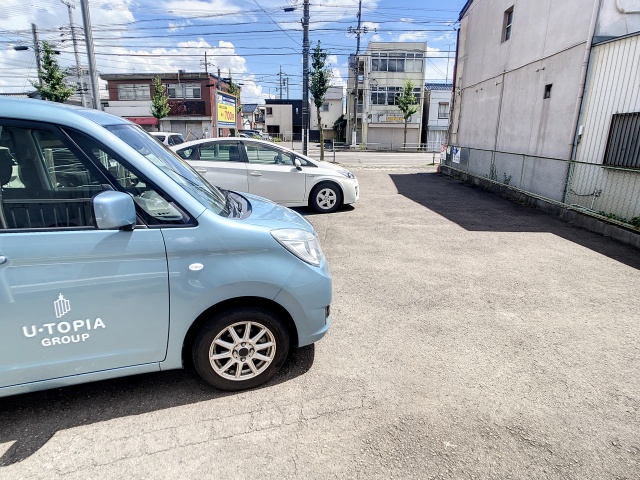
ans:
x=267 y=155
x=176 y=139
x=153 y=206
x=44 y=182
x=220 y=152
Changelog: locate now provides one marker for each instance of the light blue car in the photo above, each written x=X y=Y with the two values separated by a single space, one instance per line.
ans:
x=116 y=258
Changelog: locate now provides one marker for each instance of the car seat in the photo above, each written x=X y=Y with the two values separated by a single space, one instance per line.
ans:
x=6 y=169
x=234 y=154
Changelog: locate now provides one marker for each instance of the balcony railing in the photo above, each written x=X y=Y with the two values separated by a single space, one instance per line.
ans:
x=187 y=107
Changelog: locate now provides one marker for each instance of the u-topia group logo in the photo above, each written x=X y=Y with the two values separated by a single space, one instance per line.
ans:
x=62 y=306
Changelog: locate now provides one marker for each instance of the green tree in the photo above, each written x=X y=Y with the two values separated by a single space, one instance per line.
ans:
x=319 y=85
x=159 y=102
x=408 y=105
x=53 y=87
x=234 y=90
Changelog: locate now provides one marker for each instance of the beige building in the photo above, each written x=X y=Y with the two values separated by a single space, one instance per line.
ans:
x=278 y=120
x=382 y=72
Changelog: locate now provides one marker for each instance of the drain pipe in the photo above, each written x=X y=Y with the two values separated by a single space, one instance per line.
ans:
x=580 y=99
x=583 y=76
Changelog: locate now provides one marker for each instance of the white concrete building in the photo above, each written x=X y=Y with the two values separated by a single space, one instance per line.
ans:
x=382 y=72
x=278 y=120
x=332 y=109
x=438 y=96
x=546 y=100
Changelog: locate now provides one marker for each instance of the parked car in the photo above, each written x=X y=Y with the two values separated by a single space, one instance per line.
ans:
x=168 y=138
x=117 y=258
x=271 y=171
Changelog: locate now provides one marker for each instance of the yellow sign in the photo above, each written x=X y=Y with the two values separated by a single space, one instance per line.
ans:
x=226 y=110
x=226 y=114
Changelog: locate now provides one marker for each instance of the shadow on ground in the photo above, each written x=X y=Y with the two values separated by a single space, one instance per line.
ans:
x=30 y=420
x=475 y=209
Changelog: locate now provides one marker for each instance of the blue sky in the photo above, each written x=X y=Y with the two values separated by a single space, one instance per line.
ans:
x=249 y=39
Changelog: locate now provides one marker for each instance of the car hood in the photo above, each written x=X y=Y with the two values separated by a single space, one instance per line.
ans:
x=269 y=214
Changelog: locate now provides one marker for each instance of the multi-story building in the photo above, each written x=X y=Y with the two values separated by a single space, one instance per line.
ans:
x=438 y=104
x=196 y=100
x=331 y=110
x=380 y=75
x=549 y=109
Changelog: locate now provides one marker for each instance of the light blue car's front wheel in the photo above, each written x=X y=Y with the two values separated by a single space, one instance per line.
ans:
x=240 y=348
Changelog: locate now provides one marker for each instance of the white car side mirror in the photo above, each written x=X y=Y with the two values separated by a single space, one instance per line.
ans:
x=297 y=163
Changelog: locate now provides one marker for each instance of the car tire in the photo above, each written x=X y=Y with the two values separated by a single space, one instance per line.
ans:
x=326 y=197
x=245 y=360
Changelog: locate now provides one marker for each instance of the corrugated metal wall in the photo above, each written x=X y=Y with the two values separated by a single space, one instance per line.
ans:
x=613 y=86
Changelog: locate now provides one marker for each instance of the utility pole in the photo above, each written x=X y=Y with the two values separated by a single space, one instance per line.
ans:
x=75 y=51
x=280 y=82
x=36 y=48
x=305 y=77
x=288 y=88
x=206 y=65
x=88 y=38
x=354 y=133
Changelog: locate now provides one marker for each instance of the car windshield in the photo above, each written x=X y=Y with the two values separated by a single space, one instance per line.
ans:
x=209 y=196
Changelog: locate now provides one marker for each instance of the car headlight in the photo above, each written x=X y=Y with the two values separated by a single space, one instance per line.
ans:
x=346 y=173
x=301 y=243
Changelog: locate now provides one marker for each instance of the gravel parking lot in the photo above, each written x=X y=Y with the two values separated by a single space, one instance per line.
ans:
x=472 y=338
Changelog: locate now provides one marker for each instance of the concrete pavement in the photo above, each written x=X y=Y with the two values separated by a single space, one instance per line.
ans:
x=471 y=338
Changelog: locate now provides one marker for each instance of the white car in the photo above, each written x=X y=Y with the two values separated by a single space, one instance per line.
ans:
x=168 y=138
x=270 y=171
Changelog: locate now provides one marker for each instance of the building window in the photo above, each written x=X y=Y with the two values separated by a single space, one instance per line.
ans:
x=389 y=95
x=134 y=92
x=184 y=90
x=508 y=22
x=547 y=91
x=443 y=110
x=269 y=110
x=623 y=144
x=396 y=62
x=325 y=107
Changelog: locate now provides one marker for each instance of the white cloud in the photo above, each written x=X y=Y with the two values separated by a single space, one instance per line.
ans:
x=200 y=8
x=412 y=37
x=175 y=26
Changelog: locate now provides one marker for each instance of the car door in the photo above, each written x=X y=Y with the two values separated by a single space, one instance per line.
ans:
x=272 y=174
x=73 y=299
x=221 y=163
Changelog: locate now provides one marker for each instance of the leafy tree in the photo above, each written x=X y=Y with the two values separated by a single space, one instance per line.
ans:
x=234 y=90
x=408 y=105
x=53 y=87
x=320 y=82
x=159 y=102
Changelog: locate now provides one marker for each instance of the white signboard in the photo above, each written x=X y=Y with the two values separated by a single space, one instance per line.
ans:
x=456 y=154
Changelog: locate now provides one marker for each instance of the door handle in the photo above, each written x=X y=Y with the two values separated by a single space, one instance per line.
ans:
x=255 y=174
x=3 y=259
x=201 y=170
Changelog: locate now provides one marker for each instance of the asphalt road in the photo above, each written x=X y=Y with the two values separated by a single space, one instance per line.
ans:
x=472 y=338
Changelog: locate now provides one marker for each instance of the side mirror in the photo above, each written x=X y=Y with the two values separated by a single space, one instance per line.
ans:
x=297 y=163
x=114 y=210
